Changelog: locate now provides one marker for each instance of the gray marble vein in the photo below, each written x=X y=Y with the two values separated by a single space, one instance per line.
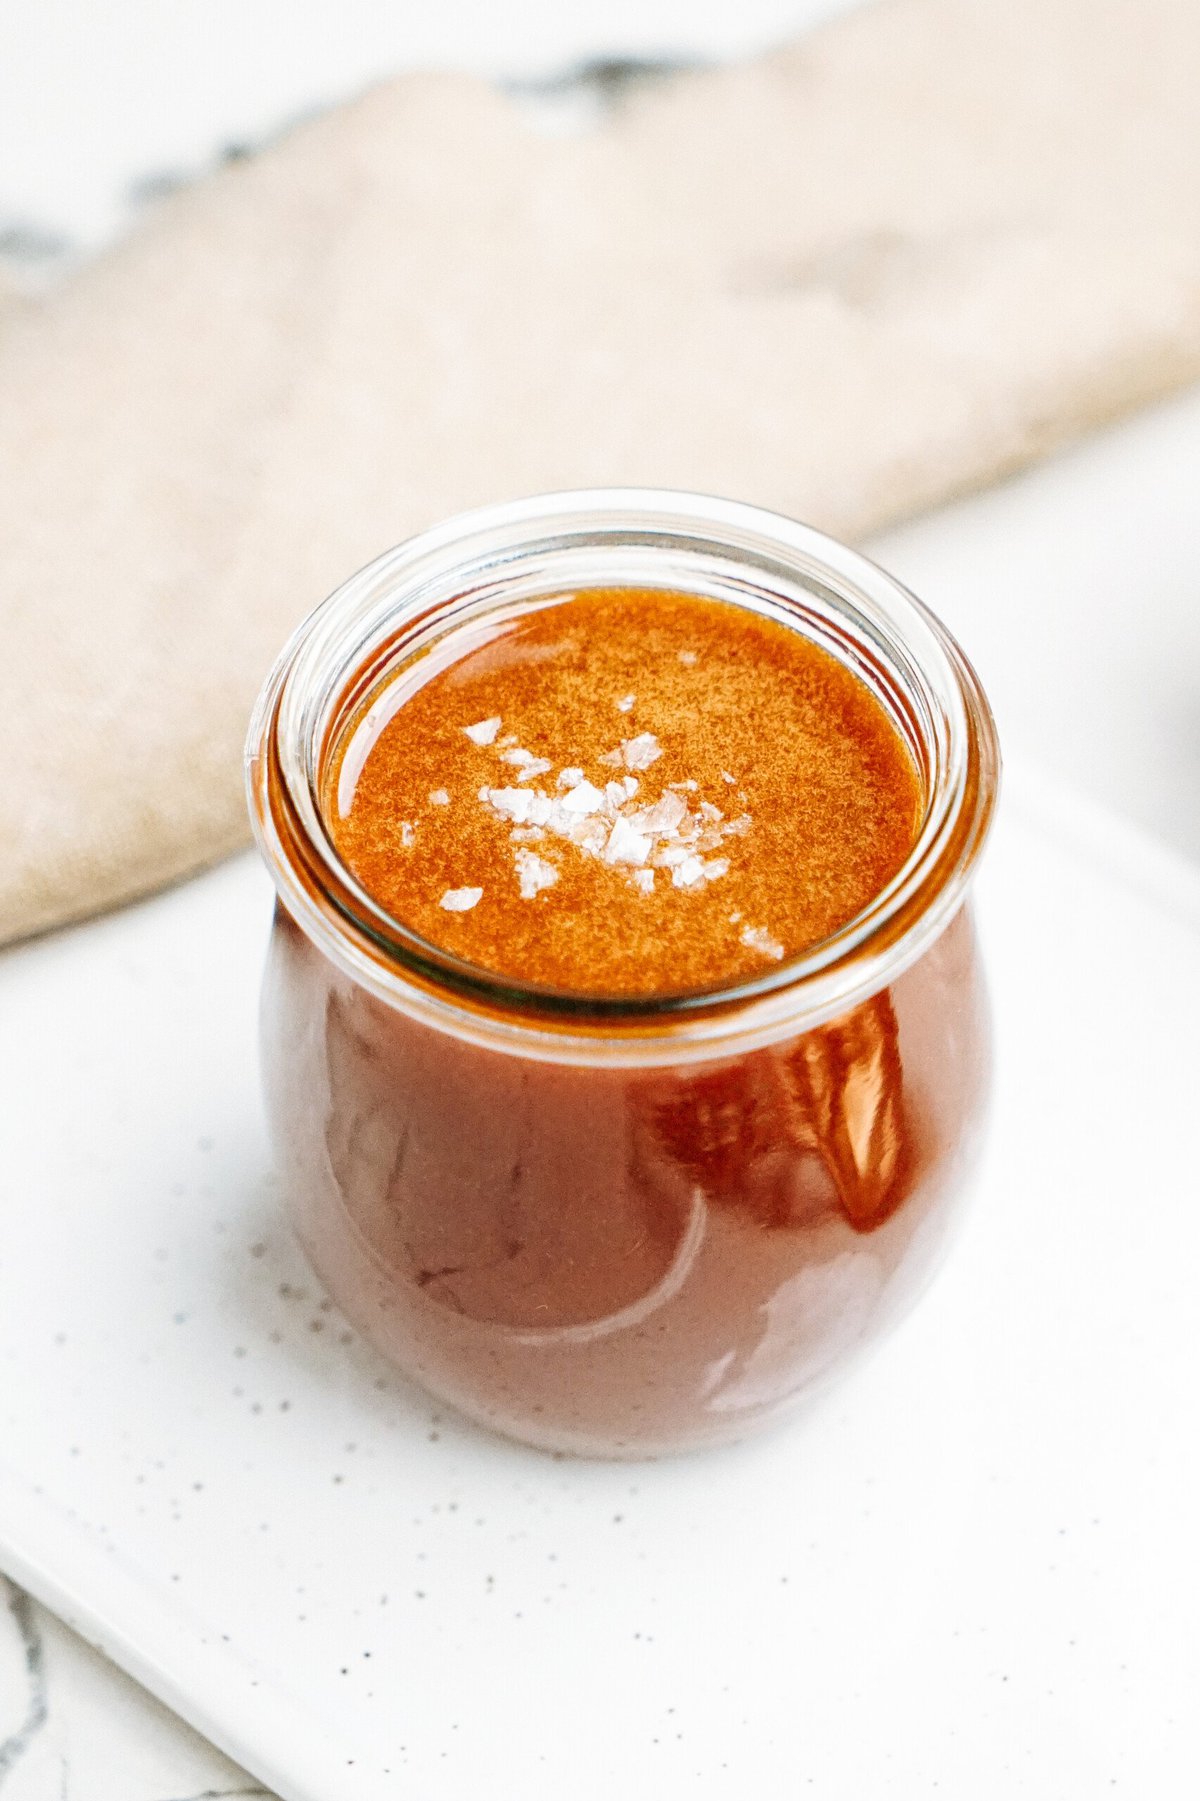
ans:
x=74 y=1728
x=14 y=1747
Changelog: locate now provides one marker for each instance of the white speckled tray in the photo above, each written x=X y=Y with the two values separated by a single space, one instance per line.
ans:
x=970 y=1570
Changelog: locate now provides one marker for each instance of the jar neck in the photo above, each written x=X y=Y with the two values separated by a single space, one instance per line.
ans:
x=468 y=575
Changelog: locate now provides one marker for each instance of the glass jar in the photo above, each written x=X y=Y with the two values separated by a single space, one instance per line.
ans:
x=621 y=1227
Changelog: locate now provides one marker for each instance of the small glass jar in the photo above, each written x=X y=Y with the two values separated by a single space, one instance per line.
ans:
x=622 y=1227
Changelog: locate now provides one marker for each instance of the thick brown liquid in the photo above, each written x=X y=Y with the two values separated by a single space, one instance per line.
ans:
x=593 y=1256
x=627 y=791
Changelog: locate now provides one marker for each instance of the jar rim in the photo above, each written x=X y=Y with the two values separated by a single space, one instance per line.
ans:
x=291 y=724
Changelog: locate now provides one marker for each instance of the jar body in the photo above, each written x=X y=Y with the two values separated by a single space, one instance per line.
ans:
x=624 y=1260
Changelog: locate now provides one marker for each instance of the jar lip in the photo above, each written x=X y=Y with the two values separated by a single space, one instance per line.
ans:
x=290 y=720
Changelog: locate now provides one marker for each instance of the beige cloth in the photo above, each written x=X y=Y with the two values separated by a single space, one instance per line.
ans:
x=881 y=266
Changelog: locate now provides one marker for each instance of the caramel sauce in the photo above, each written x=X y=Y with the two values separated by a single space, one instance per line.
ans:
x=629 y=792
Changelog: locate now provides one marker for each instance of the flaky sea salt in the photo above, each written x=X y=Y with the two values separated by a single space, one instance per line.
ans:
x=533 y=873
x=671 y=833
x=731 y=779
x=584 y=797
x=590 y=835
x=640 y=752
x=511 y=803
x=689 y=873
x=408 y=832
x=461 y=900
x=438 y=797
x=757 y=938
x=524 y=760
x=624 y=845
x=664 y=817
x=627 y=703
x=484 y=732
x=689 y=658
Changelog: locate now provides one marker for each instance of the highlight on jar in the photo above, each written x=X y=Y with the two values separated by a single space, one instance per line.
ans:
x=624 y=1036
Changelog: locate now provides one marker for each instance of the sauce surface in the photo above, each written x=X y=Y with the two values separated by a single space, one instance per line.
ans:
x=626 y=792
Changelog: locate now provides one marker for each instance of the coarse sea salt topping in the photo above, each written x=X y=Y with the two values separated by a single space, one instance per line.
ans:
x=461 y=900
x=583 y=798
x=635 y=753
x=533 y=873
x=484 y=731
x=669 y=833
x=526 y=762
x=757 y=938
x=624 y=844
x=438 y=797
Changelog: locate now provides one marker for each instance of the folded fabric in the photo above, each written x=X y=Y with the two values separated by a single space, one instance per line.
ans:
x=879 y=267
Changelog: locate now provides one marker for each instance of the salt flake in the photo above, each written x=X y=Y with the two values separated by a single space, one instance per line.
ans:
x=625 y=845
x=438 y=797
x=689 y=873
x=757 y=938
x=643 y=879
x=461 y=900
x=484 y=732
x=663 y=818
x=640 y=752
x=534 y=873
x=627 y=703
x=583 y=798
x=511 y=803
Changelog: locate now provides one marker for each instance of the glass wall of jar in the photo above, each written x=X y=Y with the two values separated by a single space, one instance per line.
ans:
x=609 y=1225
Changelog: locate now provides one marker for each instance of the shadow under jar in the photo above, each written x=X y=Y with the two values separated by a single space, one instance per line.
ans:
x=621 y=1224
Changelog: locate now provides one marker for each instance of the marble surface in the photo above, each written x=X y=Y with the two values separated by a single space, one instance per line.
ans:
x=74 y=1728
x=1074 y=586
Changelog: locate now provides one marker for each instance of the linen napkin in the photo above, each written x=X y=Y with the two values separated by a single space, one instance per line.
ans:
x=886 y=264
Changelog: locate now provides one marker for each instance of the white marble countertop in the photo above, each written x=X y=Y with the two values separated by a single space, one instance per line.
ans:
x=1073 y=586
